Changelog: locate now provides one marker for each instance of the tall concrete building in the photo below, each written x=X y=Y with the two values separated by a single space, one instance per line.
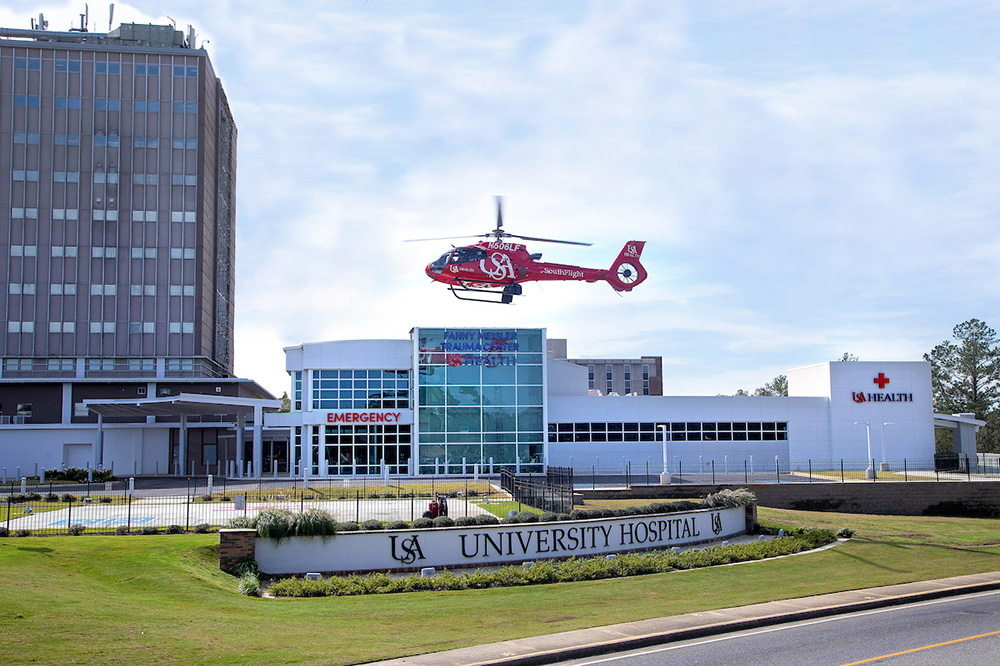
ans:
x=117 y=247
x=117 y=204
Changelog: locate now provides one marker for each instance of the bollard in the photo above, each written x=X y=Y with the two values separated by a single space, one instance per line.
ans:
x=209 y=485
x=24 y=484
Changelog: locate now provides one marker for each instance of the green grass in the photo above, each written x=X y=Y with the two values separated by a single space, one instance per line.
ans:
x=502 y=508
x=161 y=599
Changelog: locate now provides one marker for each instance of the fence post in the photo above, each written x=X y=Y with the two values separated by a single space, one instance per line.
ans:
x=69 y=516
x=874 y=471
x=713 y=471
x=746 y=476
x=128 y=520
x=810 y=470
x=680 y=472
x=357 y=506
x=841 y=470
x=905 y=478
x=777 y=470
x=968 y=469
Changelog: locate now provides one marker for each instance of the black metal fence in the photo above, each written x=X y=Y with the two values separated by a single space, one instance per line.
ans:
x=942 y=468
x=538 y=493
x=193 y=504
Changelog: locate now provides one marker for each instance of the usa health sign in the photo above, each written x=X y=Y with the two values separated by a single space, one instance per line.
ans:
x=494 y=544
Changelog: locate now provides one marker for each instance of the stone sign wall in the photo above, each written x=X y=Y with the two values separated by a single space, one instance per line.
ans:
x=400 y=550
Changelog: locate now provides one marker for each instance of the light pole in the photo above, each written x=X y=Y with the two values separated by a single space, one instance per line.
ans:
x=869 y=470
x=665 y=476
x=883 y=466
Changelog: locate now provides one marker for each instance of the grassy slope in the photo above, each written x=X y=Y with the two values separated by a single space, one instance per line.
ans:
x=160 y=599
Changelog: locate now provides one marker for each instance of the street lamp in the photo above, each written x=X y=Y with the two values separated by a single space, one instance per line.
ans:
x=870 y=470
x=665 y=476
x=883 y=466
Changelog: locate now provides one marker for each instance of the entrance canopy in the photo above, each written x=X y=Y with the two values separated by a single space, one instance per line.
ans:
x=185 y=404
x=963 y=428
x=191 y=404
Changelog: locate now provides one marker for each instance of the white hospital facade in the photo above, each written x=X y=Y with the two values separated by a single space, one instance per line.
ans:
x=466 y=400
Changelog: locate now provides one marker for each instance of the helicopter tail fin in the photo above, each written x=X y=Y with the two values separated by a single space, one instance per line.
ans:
x=626 y=272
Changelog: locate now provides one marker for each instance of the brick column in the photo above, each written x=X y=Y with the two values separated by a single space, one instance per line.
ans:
x=751 y=518
x=235 y=545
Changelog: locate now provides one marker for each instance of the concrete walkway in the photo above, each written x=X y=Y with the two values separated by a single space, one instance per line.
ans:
x=632 y=635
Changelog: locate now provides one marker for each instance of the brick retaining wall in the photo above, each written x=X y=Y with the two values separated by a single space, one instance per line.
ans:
x=981 y=498
x=235 y=545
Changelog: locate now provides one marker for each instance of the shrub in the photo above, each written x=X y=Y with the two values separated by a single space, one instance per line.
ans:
x=15 y=498
x=149 y=529
x=526 y=517
x=845 y=533
x=487 y=519
x=76 y=530
x=548 y=517
x=466 y=521
x=372 y=525
x=104 y=499
x=443 y=521
x=473 y=492
x=33 y=497
x=249 y=585
x=398 y=525
x=314 y=522
x=201 y=528
x=51 y=497
x=22 y=533
x=428 y=515
x=422 y=523
x=207 y=498
x=274 y=524
x=349 y=526
x=225 y=498
x=121 y=530
x=565 y=516
x=4 y=532
x=66 y=497
x=174 y=529
x=242 y=523
x=246 y=565
x=730 y=498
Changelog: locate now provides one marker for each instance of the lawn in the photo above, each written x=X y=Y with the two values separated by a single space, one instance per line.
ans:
x=160 y=599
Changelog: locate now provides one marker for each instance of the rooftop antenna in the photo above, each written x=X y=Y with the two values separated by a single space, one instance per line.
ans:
x=111 y=16
x=40 y=23
x=191 y=36
x=172 y=22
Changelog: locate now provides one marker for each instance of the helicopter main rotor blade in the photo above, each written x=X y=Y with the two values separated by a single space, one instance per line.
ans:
x=546 y=240
x=420 y=240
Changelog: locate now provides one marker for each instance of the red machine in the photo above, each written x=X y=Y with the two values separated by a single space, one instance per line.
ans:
x=499 y=267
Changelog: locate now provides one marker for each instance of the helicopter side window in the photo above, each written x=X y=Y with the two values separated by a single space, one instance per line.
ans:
x=477 y=254
x=460 y=255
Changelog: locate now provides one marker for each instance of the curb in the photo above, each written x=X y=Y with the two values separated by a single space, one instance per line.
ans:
x=869 y=599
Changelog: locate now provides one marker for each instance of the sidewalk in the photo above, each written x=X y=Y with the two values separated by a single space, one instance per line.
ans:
x=632 y=635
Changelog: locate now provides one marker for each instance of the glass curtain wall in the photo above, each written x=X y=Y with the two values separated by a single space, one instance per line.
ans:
x=480 y=399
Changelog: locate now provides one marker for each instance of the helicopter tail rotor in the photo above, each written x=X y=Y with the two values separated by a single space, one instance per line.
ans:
x=627 y=272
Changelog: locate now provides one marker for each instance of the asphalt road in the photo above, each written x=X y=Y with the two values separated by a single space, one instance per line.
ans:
x=956 y=630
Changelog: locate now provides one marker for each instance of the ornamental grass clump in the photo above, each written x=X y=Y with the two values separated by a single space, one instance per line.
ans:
x=730 y=498
x=313 y=522
x=274 y=524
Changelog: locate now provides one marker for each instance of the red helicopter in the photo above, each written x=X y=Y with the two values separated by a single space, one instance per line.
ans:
x=499 y=267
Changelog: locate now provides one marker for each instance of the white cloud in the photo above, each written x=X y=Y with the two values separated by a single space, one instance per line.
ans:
x=811 y=180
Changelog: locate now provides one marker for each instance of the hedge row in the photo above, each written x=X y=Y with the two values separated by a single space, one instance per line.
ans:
x=573 y=569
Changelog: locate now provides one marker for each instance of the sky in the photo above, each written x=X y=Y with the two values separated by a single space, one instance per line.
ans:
x=811 y=178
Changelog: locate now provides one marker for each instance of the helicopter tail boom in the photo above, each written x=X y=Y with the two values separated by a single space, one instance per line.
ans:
x=626 y=272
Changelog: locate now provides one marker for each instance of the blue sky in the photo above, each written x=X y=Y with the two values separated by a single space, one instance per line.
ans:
x=810 y=177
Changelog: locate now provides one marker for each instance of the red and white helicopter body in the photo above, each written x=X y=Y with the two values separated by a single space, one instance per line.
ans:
x=499 y=267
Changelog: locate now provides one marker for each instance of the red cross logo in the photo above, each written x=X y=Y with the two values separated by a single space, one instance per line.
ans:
x=881 y=380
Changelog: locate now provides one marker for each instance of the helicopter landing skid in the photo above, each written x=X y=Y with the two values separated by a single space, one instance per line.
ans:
x=506 y=295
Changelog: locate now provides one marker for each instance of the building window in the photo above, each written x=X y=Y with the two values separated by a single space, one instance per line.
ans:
x=360 y=389
x=590 y=377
